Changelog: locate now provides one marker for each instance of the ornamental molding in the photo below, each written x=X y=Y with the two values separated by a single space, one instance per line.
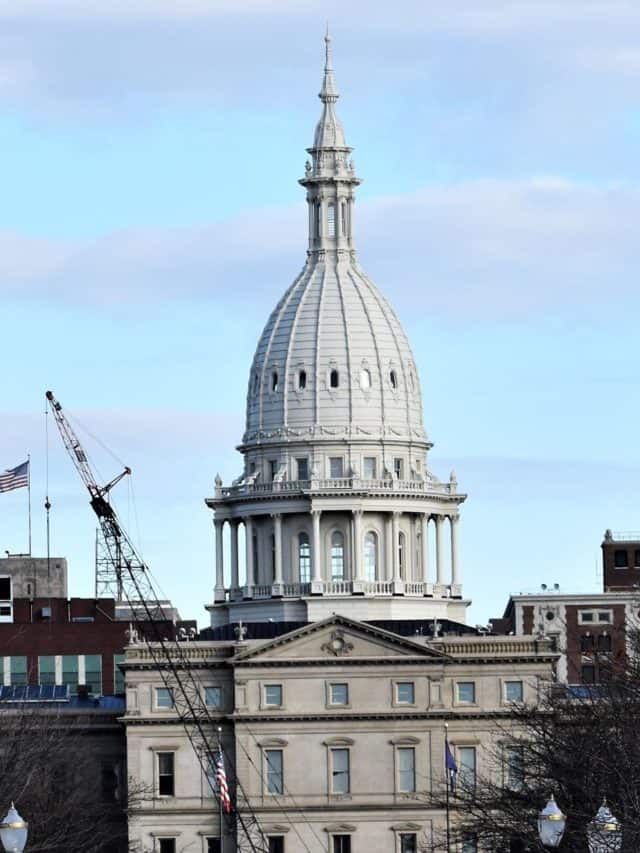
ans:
x=338 y=645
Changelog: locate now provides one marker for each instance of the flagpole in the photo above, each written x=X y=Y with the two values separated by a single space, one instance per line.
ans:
x=29 y=490
x=447 y=783
x=220 y=817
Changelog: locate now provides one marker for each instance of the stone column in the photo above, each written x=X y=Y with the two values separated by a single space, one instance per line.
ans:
x=455 y=564
x=276 y=589
x=250 y=578
x=388 y=547
x=425 y=549
x=235 y=579
x=398 y=585
x=219 y=590
x=358 y=567
x=440 y=581
x=316 y=554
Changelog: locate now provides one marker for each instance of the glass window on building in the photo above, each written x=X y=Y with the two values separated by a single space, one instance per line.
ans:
x=339 y=694
x=467 y=766
x=118 y=674
x=513 y=691
x=70 y=672
x=514 y=768
x=46 y=669
x=340 y=774
x=93 y=673
x=275 y=771
x=620 y=559
x=469 y=844
x=213 y=845
x=466 y=692
x=213 y=696
x=337 y=556
x=273 y=695
x=303 y=468
x=369 y=467
x=166 y=774
x=341 y=844
x=398 y=468
x=164 y=698
x=405 y=693
x=370 y=556
x=406 y=769
x=166 y=845
x=336 y=467
x=18 y=670
x=304 y=558
x=408 y=842
x=276 y=844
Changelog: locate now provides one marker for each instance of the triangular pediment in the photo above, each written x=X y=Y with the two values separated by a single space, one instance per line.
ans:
x=338 y=638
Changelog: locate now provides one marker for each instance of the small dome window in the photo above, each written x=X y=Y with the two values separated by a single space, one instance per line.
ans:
x=393 y=379
x=334 y=379
x=274 y=380
x=365 y=379
x=256 y=382
x=331 y=220
x=302 y=379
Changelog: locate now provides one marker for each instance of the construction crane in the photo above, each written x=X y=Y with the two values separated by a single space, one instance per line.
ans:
x=132 y=583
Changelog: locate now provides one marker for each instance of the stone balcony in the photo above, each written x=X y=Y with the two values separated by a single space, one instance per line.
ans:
x=408 y=589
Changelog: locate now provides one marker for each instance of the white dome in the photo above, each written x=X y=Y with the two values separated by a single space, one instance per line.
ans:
x=334 y=357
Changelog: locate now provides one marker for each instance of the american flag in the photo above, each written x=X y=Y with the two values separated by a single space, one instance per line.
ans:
x=221 y=780
x=15 y=478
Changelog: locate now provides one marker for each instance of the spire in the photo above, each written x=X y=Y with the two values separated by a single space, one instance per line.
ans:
x=329 y=176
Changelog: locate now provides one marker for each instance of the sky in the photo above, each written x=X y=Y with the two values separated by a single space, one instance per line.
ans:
x=151 y=219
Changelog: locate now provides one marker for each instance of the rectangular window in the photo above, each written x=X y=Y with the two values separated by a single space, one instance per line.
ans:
x=274 y=768
x=467 y=766
x=276 y=844
x=5 y=589
x=604 y=643
x=273 y=469
x=93 y=673
x=398 y=468
x=466 y=692
x=339 y=694
x=47 y=669
x=166 y=774
x=586 y=643
x=586 y=616
x=340 y=775
x=636 y=558
x=164 y=698
x=605 y=616
x=70 y=672
x=273 y=695
x=369 y=467
x=166 y=845
x=341 y=844
x=406 y=769
x=620 y=559
x=514 y=768
x=513 y=691
x=469 y=844
x=118 y=674
x=213 y=697
x=405 y=693
x=336 y=467
x=303 y=469
x=408 y=842
x=213 y=845
x=588 y=674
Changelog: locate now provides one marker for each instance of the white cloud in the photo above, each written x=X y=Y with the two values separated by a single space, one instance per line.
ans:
x=495 y=247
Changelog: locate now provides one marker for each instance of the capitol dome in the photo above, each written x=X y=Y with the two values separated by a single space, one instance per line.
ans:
x=333 y=357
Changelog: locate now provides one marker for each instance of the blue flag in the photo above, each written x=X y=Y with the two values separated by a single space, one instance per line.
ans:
x=450 y=765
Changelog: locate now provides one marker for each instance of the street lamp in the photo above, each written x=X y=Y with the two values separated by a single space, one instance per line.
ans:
x=551 y=824
x=13 y=831
x=604 y=833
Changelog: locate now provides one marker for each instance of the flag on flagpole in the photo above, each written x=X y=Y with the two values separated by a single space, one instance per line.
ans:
x=450 y=765
x=221 y=779
x=15 y=478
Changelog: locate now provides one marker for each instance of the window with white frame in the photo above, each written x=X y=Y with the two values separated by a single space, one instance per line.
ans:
x=339 y=693
x=513 y=691
x=337 y=556
x=398 y=468
x=514 y=767
x=304 y=558
x=336 y=467
x=273 y=695
x=406 y=756
x=165 y=766
x=402 y=551
x=274 y=771
x=467 y=766
x=405 y=693
x=164 y=698
x=213 y=696
x=302 y=466
x=408 y=842
x=370 y=556
x=369 y=467
x=466 y=692
x=340 y=771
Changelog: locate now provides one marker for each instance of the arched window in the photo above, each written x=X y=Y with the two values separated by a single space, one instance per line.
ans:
x=370 y=556
x=274 y=380
x=331 y=219
x=304 y=558
x=365 y=379
x=302 y=380
x=337 y=556
x=334 y=379
x=402 y=551
x=393 y=379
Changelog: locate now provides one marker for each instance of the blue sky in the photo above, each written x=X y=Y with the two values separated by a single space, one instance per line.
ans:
x=151 y=218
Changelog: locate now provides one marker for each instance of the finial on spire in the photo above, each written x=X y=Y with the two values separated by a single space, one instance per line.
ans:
x=327 y=48
x=328 y=93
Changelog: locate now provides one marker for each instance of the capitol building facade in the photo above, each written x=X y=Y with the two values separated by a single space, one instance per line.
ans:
x=338 y=648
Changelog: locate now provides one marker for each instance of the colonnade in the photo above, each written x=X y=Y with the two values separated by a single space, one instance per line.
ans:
x=418 y=565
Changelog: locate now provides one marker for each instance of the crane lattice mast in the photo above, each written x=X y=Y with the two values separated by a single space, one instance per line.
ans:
x=133 y=584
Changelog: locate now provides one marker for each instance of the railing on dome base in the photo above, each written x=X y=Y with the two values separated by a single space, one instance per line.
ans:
x=338 y=484
x=408 y=589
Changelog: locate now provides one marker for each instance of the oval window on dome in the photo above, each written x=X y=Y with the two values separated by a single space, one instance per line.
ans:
x=365 y=379
x=393 y=379
x=302 y=380
x=334 y=379
x=274 y=380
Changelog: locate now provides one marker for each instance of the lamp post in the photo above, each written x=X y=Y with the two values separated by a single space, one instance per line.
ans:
x=604 y=833
x=551 y=824
x=13 y=832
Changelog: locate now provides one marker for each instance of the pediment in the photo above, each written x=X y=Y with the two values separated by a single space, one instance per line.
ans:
x=337 y=639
